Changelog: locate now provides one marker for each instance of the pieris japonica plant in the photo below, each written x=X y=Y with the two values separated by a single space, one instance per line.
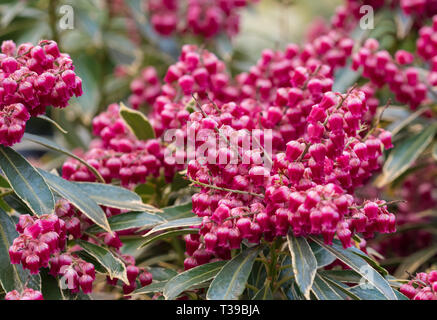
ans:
x=310 y=174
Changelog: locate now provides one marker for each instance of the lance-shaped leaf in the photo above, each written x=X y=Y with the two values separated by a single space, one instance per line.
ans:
x=360 y=266
x=179 y=223
x=178 y=212
x=367 y=292
x=186 y=280
x=137 y=123
x=27 y=183
x=12 y=276
x=80 y=199
x=130 y=220
x=55 y=147
x=304 y=263
x=167 y=235
x=113 y=265
x=230 y=282
x=323 y=256
x=157 y=286
x=265 y=293
x=53 y=122
x=404 y=154
x=115 y=197
x=323 y=290
x=412 y=263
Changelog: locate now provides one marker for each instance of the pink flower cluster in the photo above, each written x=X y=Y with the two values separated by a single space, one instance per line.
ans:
x=381 y=69
x=422 y=287
x=145 y=88
x=27 y=294
x=32 y=78
x=39 y=239
x=198 y=17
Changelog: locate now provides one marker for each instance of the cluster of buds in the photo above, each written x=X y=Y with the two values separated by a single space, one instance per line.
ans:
x=75 y=272
x=39 y=238
x=422 y=287
x=32 y=78
x=198 y=17
x=118 y=155
x=145 y=88
x=26 y=294
x=381 y=69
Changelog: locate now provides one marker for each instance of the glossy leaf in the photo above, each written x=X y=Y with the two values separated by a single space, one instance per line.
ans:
x=230 y=282
x=78 y=198
x=130 y=220
x=156 y=286
x=113 y=265
x=304 y=263
x=174 y=224
x=323 y=256
x=27 y=183
x=323 y=290
x=137 y=123
x=404 y=154
x=187 y=279
x=360 y=266
x=168 y=235
x=178 y=212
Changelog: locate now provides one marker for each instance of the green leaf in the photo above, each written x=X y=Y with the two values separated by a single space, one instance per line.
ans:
x=167 y=235
x=137 y=123
x=342 y=288
x=347 y=276
x=112 y=264
x=265 y=293
x=323 y=290
x=57 y=125
x=162 y=274
x=178 y=212
x=27 y=183
x=115 y=197
x=323 y=256
x=55 y=147
x=434 y=151
x=404 y=154
x=368 y=292
x=50 y=286
x=130 y=220
x=186 y=280
x=179 y=223
x=157 y=286
x=304 y=263
x=360 y=266
x=80 y=199
x=410 y=264
x=13 y=276
x=230 y=282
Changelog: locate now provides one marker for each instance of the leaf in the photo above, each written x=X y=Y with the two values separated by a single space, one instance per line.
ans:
x=179 y=223
x=434 y=151
x=115 y=197
x=360 y=266
x=157 y=286
x=323 y=256
x=74 y=194
x=265 y=293
x=179 y=211
x=186 y=280
x=50 y=286
x=304 y=263
x=27 y=183
x=12 y=276
x=323 y=290
x=57 y=125
x=346 y=276
x=112 y=264
x=167 y=235
x=129 y=220
x=401 y=158
x=162 y=274
x=367 y=292
x=342 y=288
x=55 y=147
x=137 y=123
x=230 y=282
x=414 y=261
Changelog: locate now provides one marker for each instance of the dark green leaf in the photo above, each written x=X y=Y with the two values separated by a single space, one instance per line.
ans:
x=186 y=280
x=157 y=286
x=113 y=265
x=174 y=224
x=230 y=282
x=178 y=212
x=80 y=199
x=323 y=290
x=360 y=266
x=137 y=122
x=13 y=276
x=323 y=256
x=27 y=183
x=115 y=197
x=130 y=220
x=162 y=274
x=57 y=125
x=265 y=293
x=168 y=235
x=304 y=263
x=404 y=154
